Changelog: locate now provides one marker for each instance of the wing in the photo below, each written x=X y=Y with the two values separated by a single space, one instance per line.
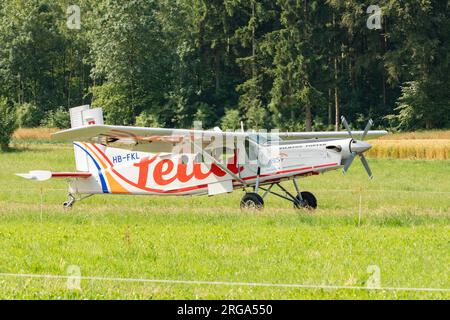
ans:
x=132 y=138
x=163 y=140
x=114 y=133
x=331 y=134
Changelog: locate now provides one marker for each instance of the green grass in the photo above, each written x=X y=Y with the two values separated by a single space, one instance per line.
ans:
x=404 y=229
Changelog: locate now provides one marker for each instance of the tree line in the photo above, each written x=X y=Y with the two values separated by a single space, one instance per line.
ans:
x=289 y=64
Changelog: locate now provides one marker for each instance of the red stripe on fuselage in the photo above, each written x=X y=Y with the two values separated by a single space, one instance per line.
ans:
x=203 y=185
x=71 y=175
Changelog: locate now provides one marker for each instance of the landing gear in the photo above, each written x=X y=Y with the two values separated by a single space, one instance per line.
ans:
x=253 y=201
x=303 y=200
x=70 y=202
x=306 y=200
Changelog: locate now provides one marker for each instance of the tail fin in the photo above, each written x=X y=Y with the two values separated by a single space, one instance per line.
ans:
x=84 y=116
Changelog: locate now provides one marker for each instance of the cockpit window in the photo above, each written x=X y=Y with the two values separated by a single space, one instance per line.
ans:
x=264 y=138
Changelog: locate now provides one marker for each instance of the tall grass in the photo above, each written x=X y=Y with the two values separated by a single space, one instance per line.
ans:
x=419 y=135
x=34 y=134
x=411 y=149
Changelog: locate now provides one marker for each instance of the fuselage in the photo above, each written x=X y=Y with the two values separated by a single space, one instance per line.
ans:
x=118 y=171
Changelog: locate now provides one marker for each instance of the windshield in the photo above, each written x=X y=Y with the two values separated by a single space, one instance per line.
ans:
x=264 y=138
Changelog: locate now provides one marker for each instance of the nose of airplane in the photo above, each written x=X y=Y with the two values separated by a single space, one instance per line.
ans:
x=359 y=147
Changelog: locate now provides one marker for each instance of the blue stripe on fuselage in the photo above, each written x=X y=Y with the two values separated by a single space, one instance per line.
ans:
x=102 y=179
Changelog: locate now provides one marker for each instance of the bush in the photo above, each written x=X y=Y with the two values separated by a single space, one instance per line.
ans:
x=8 y=123
x=58 y=118
x=422 y=104
x=113 y=98
x=146 y=119
x=205 y=114
x=28 y=115
x=231 y=120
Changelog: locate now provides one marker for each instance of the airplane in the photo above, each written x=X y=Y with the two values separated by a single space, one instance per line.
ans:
x=179 y=162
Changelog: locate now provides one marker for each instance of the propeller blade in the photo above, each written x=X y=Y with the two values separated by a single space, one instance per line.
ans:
x=366 y=130
x=345 y=123
x=349 y=162
x=366 y=165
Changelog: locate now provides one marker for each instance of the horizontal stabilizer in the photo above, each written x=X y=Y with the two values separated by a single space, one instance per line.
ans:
x=47 y=175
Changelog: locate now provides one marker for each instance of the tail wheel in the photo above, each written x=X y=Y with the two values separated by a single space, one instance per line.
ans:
x=69 y=203
x=252 y=201
x=309 y=201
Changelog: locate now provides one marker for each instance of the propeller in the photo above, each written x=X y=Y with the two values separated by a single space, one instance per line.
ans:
x=358 y=147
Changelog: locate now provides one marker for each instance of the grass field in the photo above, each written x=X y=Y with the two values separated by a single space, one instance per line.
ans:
x=403 y=230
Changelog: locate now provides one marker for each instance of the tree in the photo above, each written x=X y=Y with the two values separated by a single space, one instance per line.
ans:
x=8 y=123
x=297 y=65
x=421 y=63
x=42 y=62
x=231 y=120
x=31 y=50
x=295 y=59
x=129 y=57
x=251 y=100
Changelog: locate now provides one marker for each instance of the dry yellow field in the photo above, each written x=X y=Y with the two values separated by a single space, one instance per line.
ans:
x=411 y=149
x=423 y=145
x=419 y=135
x=34 y=133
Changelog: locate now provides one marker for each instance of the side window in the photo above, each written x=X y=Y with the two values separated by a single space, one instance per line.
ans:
x=251 y=148
x=247 y=148
x=198 y=158
x=184 y=159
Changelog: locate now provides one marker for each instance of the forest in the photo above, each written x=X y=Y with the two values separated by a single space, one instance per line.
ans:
x=287 y=64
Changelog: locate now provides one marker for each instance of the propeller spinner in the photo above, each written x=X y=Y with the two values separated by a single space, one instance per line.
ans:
x=358 y=147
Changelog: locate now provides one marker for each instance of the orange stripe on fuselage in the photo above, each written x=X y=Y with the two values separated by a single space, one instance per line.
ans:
x=88 y=146
x=114 y=186
x=103 y=155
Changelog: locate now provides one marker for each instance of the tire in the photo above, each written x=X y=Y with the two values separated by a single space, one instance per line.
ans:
x=252 y=201
x=309 y=201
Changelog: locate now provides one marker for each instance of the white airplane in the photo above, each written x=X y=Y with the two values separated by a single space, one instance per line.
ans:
x=154 y=161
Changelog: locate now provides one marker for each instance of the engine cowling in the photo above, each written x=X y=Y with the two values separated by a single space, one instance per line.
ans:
x=341 y=146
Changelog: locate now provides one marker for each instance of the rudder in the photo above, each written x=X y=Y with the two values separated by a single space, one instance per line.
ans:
x=79 y=117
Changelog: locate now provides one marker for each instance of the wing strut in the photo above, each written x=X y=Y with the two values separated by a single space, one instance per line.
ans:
x=220 y=165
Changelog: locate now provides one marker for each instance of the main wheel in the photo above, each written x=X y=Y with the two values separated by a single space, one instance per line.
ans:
x=252 y=201
x=309 y=201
